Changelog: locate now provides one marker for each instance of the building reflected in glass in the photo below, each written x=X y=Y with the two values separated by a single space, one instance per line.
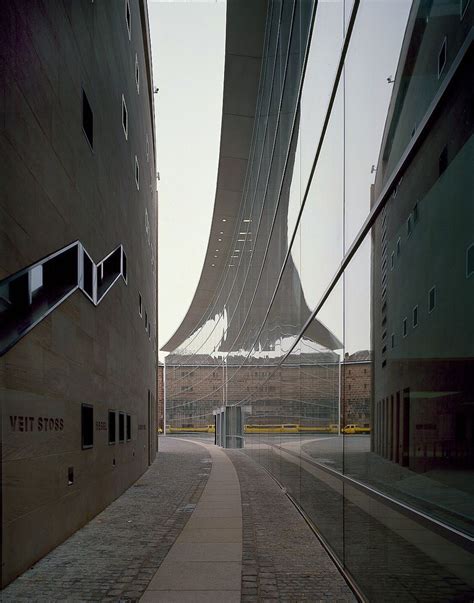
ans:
x=338 y=309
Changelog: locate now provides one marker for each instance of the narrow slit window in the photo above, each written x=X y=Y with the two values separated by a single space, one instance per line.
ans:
x=415 y=317
x=442 y=58
x=124 y=117
x=432 y=299
x=137 y=74
x=463 y=4
x=399 y=243
x=124 y=266
x=405 y=327
x=140 y=304
x=470 y=261
x=121 y=427
x=392 y=260
x=129 y=428
x=137 y=173
x=128 y=18
x=393 y=340
x=443 y=161
x=87 y=426
x=409 y=225
x=112 y=427
x=87 y=120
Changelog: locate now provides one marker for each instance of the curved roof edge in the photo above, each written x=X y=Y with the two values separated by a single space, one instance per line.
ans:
x=245 y=31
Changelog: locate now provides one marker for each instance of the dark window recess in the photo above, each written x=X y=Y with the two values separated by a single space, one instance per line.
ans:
x=415 y=316
x=88 y=275
x=112 y=427
x=442 y=58
x=470 y=261
x=432 y=299
x=87 y=425
x=393 y=340
x=128 y=17
x=137 y=173
x=124 y=118
x=129 y=427
x=108 y=271
x=70 y=476
x=87 y=120
x=146 y=321
x=140 y=308
x=26 y=297
x=124 y=265
x=405 y=329
x=121 y=427
x=443 y=161
x=415 y=213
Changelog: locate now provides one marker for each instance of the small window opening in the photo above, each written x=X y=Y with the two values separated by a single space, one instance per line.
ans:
x=129 y=428
x=87 y=120
x=70 y=476
x=399 y=243
x=393 y=340
x=432 y=299
x=442 y=58
x=443 y=161
x=415 y=213
x=392 y=260
x=112 y=427
x=470 y=261
x=121 y=427
x=405 y=327
x=415 y=317
x=124 y=117
x=140 y=307
x=137 y=173
x=87 y=425
x=128 y=18
x=137 y=74
x=409 y=225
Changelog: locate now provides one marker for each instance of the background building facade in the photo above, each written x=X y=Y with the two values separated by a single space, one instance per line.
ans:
x=78 y=289
x=338 y=280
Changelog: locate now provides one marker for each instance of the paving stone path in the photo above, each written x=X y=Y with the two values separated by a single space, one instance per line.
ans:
x=282 y=558
x=114 y=557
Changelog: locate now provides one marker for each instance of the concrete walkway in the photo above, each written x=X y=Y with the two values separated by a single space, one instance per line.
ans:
x=205 y=562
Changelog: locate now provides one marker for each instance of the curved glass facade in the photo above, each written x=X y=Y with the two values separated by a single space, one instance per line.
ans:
x=342 y=323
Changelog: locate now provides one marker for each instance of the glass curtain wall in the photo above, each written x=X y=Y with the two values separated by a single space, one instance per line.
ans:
x=343 y=323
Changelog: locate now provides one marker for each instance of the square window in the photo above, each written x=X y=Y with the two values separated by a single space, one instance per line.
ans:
x=405 y=327
x=121 y=427
x=112 y=427
x=442 y=58
x=129 y=428
x=87 y=425
x=470 y=261
x=432 y=299
x=137 y=173
x=415 y=317
x=124 y=117
x=128 y=18
x=87 y=120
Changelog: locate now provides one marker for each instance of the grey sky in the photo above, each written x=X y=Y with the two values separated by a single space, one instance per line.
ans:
x=188 y=63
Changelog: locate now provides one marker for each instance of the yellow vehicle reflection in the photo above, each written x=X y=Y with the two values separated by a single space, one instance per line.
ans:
x=353 y=428
x=192 y=429
x=291 y=428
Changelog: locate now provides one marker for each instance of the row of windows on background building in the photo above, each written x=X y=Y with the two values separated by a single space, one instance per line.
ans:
x=88 y=426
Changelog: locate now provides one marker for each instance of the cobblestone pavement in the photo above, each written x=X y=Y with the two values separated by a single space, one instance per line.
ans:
x=282 y=558
x=115 y=556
